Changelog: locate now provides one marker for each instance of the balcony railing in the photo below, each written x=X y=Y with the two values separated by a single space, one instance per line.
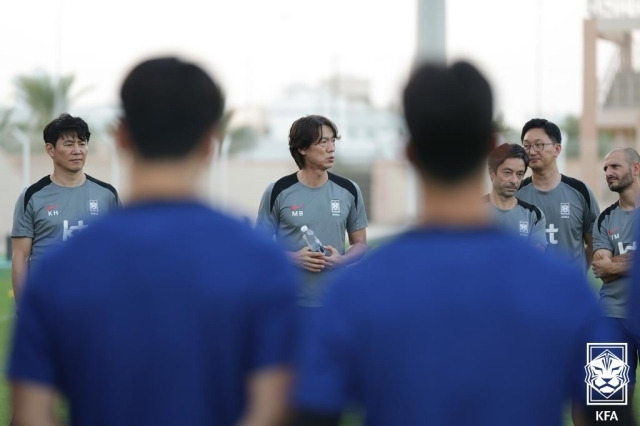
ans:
x=614 y=8
x=625 y=91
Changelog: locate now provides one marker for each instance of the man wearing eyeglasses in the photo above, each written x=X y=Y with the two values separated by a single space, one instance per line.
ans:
x=569 y=206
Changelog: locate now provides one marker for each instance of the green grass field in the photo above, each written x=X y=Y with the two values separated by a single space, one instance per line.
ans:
x=6 y=322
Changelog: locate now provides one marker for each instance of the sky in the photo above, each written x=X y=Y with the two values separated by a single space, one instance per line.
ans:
x=531 y=50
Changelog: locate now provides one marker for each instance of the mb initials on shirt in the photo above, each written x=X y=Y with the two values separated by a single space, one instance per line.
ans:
x=67 y=232
x=296 y=210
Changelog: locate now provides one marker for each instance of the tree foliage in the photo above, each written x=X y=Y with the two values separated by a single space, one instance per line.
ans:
x=570 y=126
x=40 y=98
x=45 y=96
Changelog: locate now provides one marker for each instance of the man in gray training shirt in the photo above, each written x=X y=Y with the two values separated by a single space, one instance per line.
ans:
x=613 y=244
x=569 y=206
x=328 y=204
x=58 y=205
x=507 y=166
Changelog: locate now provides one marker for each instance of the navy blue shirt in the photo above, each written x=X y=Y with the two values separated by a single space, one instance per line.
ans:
x=450 y=327
x=156 y=315
x=633 y=303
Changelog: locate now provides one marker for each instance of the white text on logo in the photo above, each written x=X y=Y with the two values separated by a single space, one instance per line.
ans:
x=623 y=249
x=606 y=416
x=551 y=232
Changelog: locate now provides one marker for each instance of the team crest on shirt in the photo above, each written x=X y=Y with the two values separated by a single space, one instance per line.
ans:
x=335 y=207
x=524 y=227
x=565 y=210
x=93 y=207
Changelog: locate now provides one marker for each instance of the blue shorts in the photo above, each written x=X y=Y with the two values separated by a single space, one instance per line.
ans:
x=618 y=331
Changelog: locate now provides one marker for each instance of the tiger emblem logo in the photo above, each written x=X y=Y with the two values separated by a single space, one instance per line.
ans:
x=607 y=374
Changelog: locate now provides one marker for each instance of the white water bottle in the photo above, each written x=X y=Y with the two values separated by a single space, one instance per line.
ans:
x=312 y=241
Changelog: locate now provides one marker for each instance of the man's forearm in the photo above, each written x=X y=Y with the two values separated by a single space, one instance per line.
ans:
x=33 y=405
x=18 y=275
x=588 y=248
x=355 y=252
x=618 y=267
x=35 y=422
x=268 y=398
x=588 y=251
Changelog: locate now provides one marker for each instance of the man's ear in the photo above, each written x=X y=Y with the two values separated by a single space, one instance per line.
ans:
x=124 y=141
x=210 y=143
x=410 y=154
x=50 y=149
x=492 y=174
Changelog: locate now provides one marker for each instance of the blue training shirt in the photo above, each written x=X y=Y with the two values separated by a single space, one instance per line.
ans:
x=450 y=327
x=156 y=315
x=633 y=304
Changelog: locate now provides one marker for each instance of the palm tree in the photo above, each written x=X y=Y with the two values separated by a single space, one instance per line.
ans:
x=6 y=125
x=44 y=97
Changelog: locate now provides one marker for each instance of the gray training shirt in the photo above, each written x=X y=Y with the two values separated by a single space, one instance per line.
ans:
x=330 y=211
x=570 y=210
x=614 y=231
x=524 y=219
x=49 y=213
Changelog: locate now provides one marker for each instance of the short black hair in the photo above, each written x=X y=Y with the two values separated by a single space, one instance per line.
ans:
x=507 y=150
x=168 y=106
x=449 y=111
x=65 y=124
x=550 y=128
x=305 y=131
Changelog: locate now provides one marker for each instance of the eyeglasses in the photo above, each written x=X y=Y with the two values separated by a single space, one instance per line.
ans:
x=537 y=147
